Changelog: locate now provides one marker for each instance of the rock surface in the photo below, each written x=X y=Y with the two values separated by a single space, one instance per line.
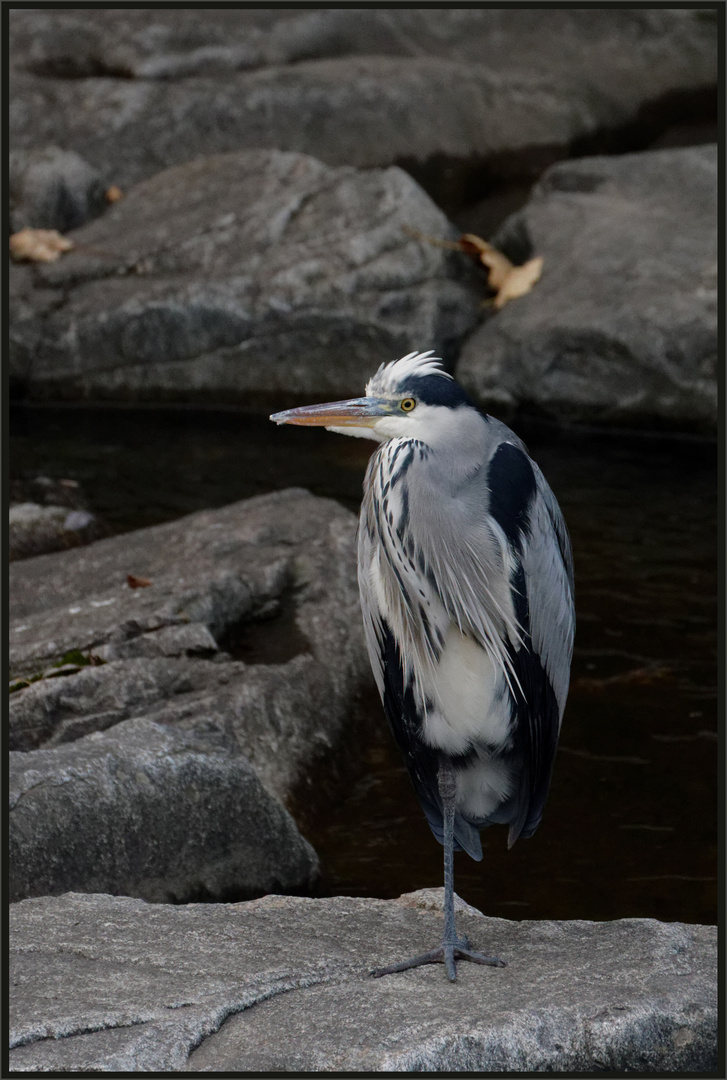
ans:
x=112 y=984
x=359 y=88
x=48 y=514
x=144 y=810
x=50 y=188
x=238 y=275
x=250 y=625
x=34 y=529
x=622 y=326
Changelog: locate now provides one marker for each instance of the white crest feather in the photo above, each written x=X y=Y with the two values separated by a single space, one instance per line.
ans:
x=389 y=377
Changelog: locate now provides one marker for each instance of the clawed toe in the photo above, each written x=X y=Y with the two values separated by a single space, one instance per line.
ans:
x=479 y=958
x=446 y=954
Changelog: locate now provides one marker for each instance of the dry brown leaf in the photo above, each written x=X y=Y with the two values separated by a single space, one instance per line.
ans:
x=114 y=193
x=518 y=282
x=508 y=280
x=499 y=265
x=38 y=245
x=135 y=582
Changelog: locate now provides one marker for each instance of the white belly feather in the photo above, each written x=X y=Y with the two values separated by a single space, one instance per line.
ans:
x=469 y=703
x=471 y=706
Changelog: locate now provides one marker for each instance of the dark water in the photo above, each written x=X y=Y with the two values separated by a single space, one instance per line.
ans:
x=630 y=828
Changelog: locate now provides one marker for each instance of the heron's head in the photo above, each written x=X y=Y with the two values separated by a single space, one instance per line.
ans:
x=411 y=398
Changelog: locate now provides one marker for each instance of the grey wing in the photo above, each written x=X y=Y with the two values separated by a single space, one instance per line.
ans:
x=541 y=587
x=543 y=661
x=547 y=563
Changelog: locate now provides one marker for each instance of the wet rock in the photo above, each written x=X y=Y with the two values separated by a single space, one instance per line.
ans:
x=114 y=984
x=257 y=273
x=50 y=188
x=48 y=514
x=34 y=529
x=144 y=810
x=622 y=326
x=47 y=491
x=363 y=88
x=250 y=624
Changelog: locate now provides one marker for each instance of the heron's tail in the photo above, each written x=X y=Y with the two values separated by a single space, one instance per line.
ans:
x=466 y=836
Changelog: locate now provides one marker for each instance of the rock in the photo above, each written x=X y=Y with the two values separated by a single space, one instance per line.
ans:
x=48 y=491
x=257 y=273
x=49 y=514
x=364 y=88
x=113 y=984
x=251 y=625
x=51 y=188
x=144 y=810
x=622 y=326
x=34 y=529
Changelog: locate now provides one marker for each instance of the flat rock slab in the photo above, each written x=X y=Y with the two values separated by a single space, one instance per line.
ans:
x=146 y=810
x=354 y=87
x=112 y=984
x=241 y=276
x=622 y=326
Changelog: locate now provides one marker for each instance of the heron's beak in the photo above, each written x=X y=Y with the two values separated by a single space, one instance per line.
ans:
x=359 y=412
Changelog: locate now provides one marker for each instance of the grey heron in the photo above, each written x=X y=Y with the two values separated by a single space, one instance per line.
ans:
x=466 y=581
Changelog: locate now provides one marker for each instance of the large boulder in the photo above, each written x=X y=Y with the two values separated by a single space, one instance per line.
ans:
x=622 y=326
x=144 y=810
x=240 y=275
x=112 y=984
x=244 y=619
x=354 y=87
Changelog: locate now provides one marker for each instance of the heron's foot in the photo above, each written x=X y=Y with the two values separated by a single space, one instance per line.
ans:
x=446 y=954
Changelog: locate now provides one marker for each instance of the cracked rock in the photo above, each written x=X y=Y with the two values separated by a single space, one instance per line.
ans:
x=622 y=326
x=251 y=625
x=357 y=87
x=144 y=810
x=111 y=984
x=158 y=729
x=250 y=274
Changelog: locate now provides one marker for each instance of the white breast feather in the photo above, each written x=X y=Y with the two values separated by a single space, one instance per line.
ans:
x=469 y=703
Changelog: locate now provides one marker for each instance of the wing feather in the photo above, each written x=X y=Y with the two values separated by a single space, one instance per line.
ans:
x=541 y=582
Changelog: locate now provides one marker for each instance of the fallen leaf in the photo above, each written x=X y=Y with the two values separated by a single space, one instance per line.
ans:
x=38 y=245
x=135 y=582
x=508 y=280
x=113 y=194
x=518 y=281
x=498 y=264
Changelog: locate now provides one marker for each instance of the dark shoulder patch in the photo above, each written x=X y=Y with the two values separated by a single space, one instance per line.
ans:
x=511 y=481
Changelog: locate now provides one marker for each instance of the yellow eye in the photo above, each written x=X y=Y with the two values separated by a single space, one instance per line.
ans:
x=408 y=404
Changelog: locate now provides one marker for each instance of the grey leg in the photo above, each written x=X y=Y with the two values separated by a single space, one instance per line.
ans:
x=452 y=947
